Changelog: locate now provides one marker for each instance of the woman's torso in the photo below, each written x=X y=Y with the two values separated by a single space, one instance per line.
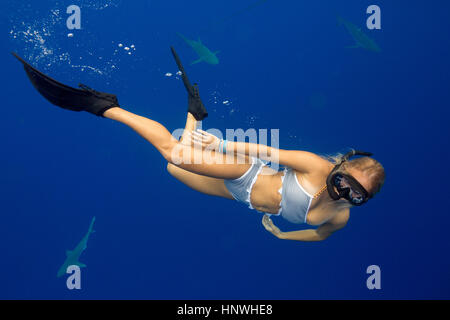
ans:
x=265 y=195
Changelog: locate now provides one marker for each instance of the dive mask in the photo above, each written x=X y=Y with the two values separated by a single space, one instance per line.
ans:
x=347 y=187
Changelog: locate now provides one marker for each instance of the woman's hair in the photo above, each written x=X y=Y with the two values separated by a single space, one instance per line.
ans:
x=371 y=167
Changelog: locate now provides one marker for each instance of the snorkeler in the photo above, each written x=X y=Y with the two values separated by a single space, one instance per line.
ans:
x=297 y=193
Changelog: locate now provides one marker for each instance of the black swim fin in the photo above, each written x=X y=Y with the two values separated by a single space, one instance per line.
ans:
x=195 y=104
x=84 y=99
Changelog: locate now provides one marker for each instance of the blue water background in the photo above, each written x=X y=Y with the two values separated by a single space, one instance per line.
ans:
x=283 y=65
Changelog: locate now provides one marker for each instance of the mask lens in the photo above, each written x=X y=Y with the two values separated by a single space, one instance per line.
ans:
x=341 y=183
x=355 y=197
x=346 y=191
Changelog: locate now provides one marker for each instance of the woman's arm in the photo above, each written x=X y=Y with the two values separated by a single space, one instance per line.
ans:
x=319 y=234
x=302 y=161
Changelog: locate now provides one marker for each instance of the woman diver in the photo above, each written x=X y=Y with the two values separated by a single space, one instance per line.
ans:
x=310 y=190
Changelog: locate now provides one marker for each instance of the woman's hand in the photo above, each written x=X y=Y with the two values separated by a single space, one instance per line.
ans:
x=205 y=140
x=268 y=224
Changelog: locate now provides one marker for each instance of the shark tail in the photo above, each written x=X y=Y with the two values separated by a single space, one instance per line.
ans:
x=91 y=226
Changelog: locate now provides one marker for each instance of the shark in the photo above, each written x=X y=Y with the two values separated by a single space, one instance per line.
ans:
x=204 y=54
x=73 y=256
x=361 y=39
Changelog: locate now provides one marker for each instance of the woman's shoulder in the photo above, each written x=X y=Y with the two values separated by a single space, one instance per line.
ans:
x=316 y=163
x=340 y=218
x=317 y=176
x=321 y=217
x=321 y=163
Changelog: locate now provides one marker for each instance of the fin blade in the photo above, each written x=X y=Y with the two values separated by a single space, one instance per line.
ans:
x=184 y=76
x=67 y=97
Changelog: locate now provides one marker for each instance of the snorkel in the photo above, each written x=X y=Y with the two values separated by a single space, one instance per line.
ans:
x=351 y=184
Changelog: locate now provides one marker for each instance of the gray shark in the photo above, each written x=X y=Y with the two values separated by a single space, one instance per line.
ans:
x=72 y=256
x=361 y=39
x=203 y=52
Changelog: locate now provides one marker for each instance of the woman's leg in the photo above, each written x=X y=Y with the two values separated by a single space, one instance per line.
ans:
x=172 y=150
x=203 y=184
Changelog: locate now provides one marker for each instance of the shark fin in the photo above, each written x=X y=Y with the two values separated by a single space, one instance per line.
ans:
x=81 y=265
x=68 y=253
x=197 y=61
x=199 y=41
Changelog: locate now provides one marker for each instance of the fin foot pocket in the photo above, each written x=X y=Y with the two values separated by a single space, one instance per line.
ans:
x=195 y=104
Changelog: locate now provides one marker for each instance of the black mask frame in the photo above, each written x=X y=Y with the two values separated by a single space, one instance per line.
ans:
x=352 y=181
